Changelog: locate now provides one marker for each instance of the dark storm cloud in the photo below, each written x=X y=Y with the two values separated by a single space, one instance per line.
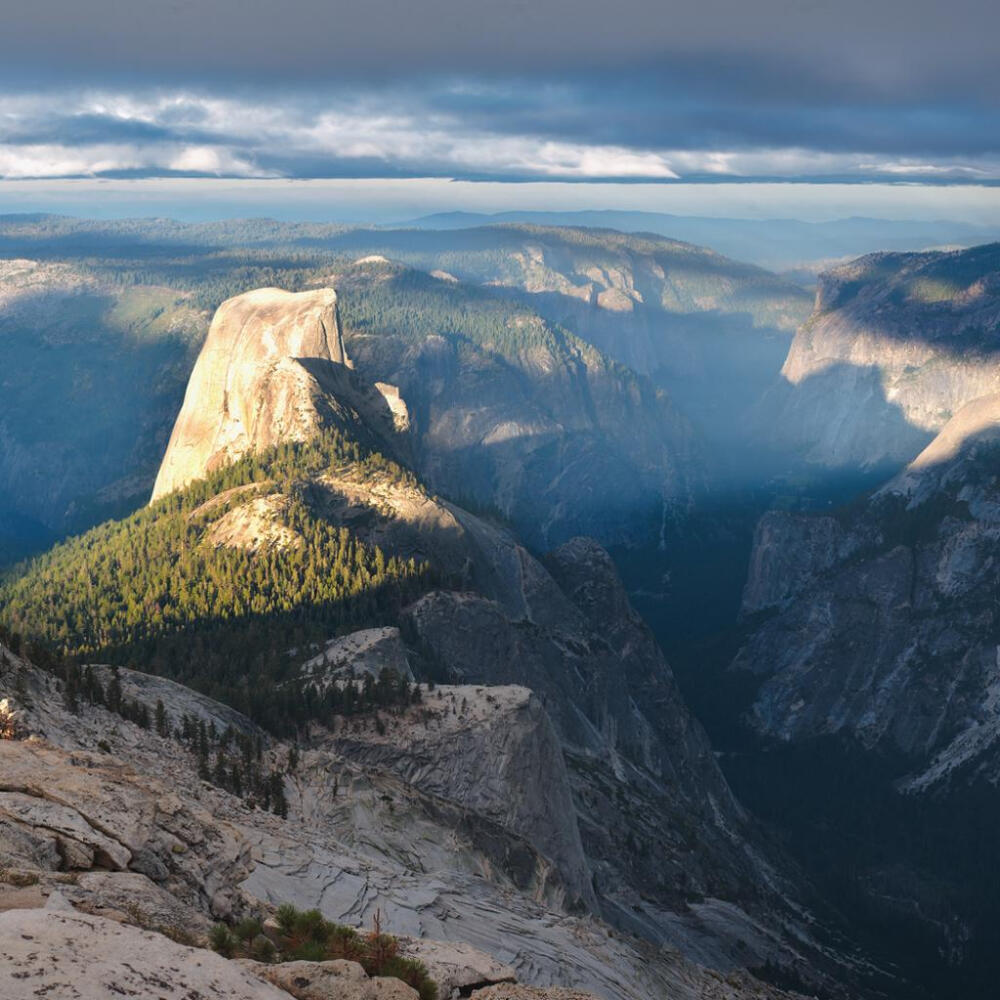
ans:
x=856 y=89
x=884 y=40
x=655 y=109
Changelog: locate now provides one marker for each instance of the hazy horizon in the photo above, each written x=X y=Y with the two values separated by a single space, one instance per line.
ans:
x=382 y=201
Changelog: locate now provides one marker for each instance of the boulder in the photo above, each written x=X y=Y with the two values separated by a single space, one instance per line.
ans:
x=61 y=955
x=334 y=980
x=456 y=967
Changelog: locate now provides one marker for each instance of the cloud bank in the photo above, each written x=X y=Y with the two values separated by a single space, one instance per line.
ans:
x=642 y=90
x=456 y=129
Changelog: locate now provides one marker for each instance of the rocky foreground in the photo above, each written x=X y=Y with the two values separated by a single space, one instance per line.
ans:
x=116 y=858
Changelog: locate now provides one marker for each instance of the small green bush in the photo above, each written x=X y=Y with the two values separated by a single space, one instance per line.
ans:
x=308 y=951
x=285 y=917
x=248 y=928
x=307 y=936
x=223 y=940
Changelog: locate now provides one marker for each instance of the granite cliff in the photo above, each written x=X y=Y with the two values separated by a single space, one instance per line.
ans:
x=873 y=636
x=273 y=369
x=897 y=345
x=885 y=615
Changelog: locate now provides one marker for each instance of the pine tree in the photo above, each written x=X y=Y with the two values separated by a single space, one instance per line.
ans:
x=114 y=693
x=162 y=721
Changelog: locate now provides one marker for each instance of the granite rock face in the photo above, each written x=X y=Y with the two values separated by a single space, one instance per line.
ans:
x=273 y=369
x=368 y=651
x=82 y=813
x=493 y=751
x=887 y=617
x=789 y=550
x=336 y=980
x=658 y=823
x=458 y=969
x=63 y=954
x=897 y=345
x=358 y=839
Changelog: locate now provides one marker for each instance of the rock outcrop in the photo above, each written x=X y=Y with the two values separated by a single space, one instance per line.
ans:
x=65 y=955
x=493 y=751
x=457 y=969
x=336 y=980
x=82 y=812
x=357 y=839
x=367 y=651
x=897 y=345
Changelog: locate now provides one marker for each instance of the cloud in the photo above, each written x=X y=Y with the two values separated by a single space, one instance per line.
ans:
x=579 y=90
x=473 y=128
x=881 y=46
x=107 y=133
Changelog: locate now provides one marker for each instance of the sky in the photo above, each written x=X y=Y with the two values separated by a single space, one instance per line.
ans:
x=781 y=95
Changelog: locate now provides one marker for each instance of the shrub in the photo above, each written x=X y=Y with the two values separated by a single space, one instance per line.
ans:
x=308 y=951
x=286 y=918
x=307 y=936
x=222 y=940
x=248 y=928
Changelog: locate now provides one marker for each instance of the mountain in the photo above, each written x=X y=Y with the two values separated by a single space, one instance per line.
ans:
x=513 y=413
x=711 y=331
x=287 y=528
x=516 y=413
x=896 y=344
x=868 y=647
x=776 y=244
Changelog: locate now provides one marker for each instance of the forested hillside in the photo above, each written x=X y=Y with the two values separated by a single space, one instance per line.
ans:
x=166 y=590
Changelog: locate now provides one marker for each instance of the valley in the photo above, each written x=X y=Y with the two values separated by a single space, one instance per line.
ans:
x=682 y=584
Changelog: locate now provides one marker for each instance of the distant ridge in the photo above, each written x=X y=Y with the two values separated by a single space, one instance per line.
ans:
x=776 y=244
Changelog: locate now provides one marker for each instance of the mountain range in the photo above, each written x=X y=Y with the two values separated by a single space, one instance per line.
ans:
x=276 y=523
x=403 y=522
x=784 y=245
